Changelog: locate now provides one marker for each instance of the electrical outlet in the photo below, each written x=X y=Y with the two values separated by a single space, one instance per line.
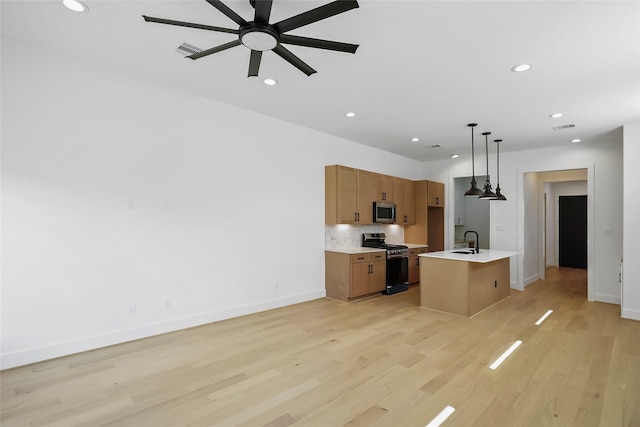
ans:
x=131 y=310
x=167 y=304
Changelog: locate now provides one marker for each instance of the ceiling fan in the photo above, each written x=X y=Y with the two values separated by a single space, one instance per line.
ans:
x=259 y=36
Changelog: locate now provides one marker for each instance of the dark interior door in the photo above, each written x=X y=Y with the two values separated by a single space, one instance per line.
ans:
x=572 y=228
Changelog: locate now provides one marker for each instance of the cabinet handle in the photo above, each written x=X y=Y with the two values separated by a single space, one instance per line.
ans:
x=384 y=196
x=360 y=257
x=406 y=219
x=437 y=200
x=355 y=217
x=418 y=261
x=358 y=216
x=370 y=270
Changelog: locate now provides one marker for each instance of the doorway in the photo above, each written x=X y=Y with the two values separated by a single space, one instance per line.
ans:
x=572 y=231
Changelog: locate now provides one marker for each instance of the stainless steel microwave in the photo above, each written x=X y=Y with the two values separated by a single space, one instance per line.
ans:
x=384 y=213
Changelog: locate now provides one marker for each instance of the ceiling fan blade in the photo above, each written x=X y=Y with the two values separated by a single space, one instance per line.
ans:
x=254 y=63
x=189 y=24
x=215 y=49
x=263 y=11
x=227 y=11
x=314 y=15
x=318 y=43
x=293 y=60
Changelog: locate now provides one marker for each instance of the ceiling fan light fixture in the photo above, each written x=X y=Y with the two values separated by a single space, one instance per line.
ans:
x=575 y=140
x=455 y=156
x=556 y=115
x=350 y=114
x=75 y=5
x=416 y=139
x=259 y=40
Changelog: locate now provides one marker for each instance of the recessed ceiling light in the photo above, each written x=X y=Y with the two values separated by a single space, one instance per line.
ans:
x=350 y=114
x=556 y=115
x=270 y=82
x=455 y=156
x=520 y=68
x=576 y=140
x=75 y=5
x=415 y=139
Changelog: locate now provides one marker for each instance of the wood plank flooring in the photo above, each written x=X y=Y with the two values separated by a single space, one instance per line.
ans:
x=378 y=362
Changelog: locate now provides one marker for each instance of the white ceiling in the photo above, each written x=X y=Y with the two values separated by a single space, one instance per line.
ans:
x=423 y=68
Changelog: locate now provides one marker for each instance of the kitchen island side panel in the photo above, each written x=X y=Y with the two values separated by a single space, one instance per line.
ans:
x=488 y=284
x=464 y=288
x=443 y=285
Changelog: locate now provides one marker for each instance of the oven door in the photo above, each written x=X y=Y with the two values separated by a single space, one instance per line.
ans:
x=398 y=272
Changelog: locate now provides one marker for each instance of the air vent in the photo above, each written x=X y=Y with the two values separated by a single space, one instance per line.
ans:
x=432 y=146
x=185 y=49
x=563 y=127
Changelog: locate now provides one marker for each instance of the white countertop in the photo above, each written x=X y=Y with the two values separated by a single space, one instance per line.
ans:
x=485 y=255
x=354 y=250
x=415 y=245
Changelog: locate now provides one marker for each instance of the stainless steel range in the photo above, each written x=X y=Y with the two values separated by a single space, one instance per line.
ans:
x=397 y=262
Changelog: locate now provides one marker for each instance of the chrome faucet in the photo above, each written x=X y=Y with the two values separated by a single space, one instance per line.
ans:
x=477 y=244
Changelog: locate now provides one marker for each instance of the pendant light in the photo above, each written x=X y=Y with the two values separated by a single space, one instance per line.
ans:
x=474 y=190
x=487 y=194
x=499 y=195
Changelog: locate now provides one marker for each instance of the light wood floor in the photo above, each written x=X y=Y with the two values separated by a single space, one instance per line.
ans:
x=379 y=362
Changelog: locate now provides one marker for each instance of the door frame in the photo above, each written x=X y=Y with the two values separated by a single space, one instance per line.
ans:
x=590 y=227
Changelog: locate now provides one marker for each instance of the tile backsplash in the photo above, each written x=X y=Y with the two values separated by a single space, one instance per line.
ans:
x=349 y=236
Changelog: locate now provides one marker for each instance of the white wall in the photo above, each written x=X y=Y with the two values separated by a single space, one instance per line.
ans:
x=116 y=191
x=603 y=160
x=631 y=283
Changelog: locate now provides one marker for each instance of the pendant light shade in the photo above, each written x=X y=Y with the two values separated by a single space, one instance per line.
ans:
x=474 y=190
x=487 y=194
x=499 y=195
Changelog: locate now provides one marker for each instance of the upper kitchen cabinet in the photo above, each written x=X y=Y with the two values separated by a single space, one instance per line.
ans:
x=435 y=194
x=429 y=224
x=404 y=194
x=347 y=196
x=382 y=188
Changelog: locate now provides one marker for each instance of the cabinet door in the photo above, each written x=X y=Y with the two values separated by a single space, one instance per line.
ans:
x=414 y=269
x=399 y=187
x=346 y=195
x=410 y=202
x=378 y=276
x=382 y=188
x=360 y=279
x=364 y=205
x=435 y=194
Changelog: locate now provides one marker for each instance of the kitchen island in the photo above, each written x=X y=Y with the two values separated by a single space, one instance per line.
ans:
x=464 y=283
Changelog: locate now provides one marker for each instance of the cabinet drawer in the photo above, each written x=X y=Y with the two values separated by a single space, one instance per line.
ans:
x=416 y=251
x=368 y=257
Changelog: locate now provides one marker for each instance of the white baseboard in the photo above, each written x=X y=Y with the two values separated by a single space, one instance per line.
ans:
x=38 y=354
x=529 y=280
x=611 y=299
x=630 y=314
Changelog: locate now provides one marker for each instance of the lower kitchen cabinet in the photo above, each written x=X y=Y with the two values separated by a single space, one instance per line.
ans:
x=414 y=263
x=349 y=276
